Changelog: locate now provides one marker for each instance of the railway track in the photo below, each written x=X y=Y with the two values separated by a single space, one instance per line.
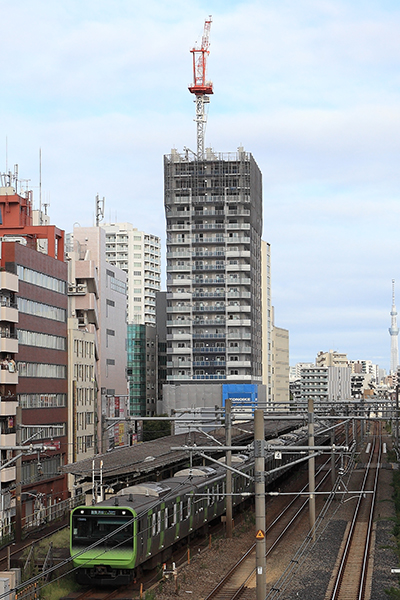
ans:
x=350 y=575
x=243 y=574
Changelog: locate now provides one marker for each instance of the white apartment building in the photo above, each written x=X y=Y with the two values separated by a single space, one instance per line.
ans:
x=139 y=255
x=326 y=384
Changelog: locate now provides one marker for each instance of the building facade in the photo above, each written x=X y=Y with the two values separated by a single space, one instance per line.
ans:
x=139 y=255
x=36 y=375
x=105 y=304
x=213 y=211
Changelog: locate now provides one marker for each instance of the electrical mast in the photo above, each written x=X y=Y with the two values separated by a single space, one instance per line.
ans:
x=394 y=332
x=200 y=87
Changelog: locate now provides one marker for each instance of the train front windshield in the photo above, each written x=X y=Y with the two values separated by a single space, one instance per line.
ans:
x=88 y=529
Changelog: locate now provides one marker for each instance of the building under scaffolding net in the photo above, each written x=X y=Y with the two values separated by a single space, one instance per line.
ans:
x=213 y=211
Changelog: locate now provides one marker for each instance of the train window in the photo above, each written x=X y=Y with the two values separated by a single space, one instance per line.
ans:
x=174 y=519
x=181 y=510
x=158 y=521
x=166 y=518
x=154 y=524
x=189 y=507
x=210 y=496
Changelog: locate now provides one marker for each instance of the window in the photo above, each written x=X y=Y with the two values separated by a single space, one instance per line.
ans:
x=38 y=309
x=26 y=369
x=42 y=400
x=41 y=279
x=41 y=340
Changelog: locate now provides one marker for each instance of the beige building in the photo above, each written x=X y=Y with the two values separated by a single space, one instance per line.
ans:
x=100 y=309
x=280 y=364
x=331 y=359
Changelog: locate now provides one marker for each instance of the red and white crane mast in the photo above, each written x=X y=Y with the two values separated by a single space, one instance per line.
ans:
x=201 y=87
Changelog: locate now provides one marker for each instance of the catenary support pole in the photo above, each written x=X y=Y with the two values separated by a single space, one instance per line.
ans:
x=311 y=467
x=333 y=458
x=228 y=441
x=18 y=475
x=259 y=468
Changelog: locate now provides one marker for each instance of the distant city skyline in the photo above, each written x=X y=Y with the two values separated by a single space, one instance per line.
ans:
x=310 y=89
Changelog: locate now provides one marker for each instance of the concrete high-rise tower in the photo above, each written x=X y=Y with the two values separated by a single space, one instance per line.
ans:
x=214 y=222
x=394 y=333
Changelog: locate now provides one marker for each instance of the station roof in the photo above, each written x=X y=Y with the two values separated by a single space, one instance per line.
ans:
x=154 y=456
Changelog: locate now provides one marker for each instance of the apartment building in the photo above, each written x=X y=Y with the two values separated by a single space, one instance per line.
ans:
x=36 y=375
x=102 y=310
x=138 y=254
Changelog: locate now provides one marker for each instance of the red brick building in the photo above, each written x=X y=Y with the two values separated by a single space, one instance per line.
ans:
x=36 y=255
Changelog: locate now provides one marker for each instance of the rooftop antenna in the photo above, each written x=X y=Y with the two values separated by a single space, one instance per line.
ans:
x=200 y=87
x=99 y=210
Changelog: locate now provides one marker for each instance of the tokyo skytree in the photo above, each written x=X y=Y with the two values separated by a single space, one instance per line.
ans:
x=394 y=332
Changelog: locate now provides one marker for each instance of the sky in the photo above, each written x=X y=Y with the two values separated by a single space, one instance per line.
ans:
x=310 y=87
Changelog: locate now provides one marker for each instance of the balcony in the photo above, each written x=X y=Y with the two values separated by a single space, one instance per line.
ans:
x=209 y=240
x=209 y=377
x=238 y=253
x=212 y=308
x=235 y=281
x=239 y=322
x=240 y=226
x=179 y=336
x=185 y=281
x=177 y=364
x=209 y=349
x=9 y=314
x=209 y=294
x=242 y=267
x=8 y=406
x=238 y=363
x=210 y=281
x=238 y=240
x=9 y=344
x=8 y=474
x=239 y=335
x=208 y=226
x=207 y=322
x=9 y=281
x=179 y=322
x=238 y=308
x=209 y=336
x=209 y=363
x=8 y=378
x=7 y=439
x=178 y=227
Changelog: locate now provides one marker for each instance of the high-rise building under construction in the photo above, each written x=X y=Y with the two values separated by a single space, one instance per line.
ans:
x=213 y=210
x=218 y=280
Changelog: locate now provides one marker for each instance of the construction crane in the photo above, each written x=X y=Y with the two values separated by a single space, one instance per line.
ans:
x=201 y=88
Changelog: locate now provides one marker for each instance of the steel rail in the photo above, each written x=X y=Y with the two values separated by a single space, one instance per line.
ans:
x=227 y=577
x=346 y=551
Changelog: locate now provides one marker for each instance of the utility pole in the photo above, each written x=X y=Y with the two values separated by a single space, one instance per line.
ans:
x=311 y=467
x=228 y=442
x=259 y=476
x=333 y=457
